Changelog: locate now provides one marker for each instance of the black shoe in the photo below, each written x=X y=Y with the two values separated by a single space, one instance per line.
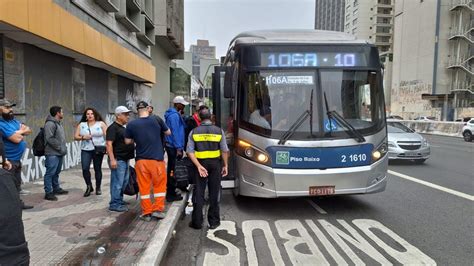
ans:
x=145 y=217
x=98 y=192
x=176 y=197
x=61 y=192
x=193 y=226
x=214 y=226
x=89 y=189
x=50 y=196
x=26 y=207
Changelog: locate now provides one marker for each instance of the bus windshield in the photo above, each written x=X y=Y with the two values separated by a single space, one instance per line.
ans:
x=272 y=100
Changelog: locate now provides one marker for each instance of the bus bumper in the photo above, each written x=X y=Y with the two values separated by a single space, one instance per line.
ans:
x=256 y=180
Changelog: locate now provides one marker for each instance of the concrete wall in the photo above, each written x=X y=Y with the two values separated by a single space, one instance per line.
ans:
x=414 y=39
x=453 y=129
x=443 y=79
x=161 y=89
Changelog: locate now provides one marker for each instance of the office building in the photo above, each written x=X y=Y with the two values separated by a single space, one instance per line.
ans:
x=329 y=15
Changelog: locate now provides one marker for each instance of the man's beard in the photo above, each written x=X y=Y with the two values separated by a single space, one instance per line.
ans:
x=8 y=116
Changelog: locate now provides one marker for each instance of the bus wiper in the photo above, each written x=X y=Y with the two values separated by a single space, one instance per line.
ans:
x=334 y=114
x=294 y=127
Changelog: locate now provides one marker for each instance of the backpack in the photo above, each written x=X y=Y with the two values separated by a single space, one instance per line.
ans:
x=131 y=188
x=181 y=173
x=39 y=144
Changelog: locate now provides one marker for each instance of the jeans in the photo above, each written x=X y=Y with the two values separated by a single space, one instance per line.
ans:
x=53 y=165
x=118 y=180
x=86 y=158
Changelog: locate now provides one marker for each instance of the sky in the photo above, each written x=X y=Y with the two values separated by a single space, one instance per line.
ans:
x=219 y=21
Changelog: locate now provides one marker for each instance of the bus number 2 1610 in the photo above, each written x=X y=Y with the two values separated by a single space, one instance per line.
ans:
x=354 y=158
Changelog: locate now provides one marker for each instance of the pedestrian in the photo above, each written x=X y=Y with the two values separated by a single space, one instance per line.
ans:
x=91 y=132
x=13 y=134
x=13 y=245
x=160 y=120
x=55 y=149
x=150 y=165
x=120 y=155
x=193 y=122
x=174 y=144
x=207 y=149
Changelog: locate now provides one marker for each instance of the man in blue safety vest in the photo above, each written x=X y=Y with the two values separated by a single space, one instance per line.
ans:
x=207 y=149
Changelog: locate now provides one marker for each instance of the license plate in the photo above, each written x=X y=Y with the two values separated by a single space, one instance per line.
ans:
x=411 y=154
x=322 y=190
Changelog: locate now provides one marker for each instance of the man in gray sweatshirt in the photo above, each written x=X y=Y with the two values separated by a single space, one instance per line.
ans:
x=55 y=149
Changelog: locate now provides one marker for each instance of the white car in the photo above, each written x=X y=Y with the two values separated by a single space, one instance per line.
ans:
x=468 y=130
x=425 y=118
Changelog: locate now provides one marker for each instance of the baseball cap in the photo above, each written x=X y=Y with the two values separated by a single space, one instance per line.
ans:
x=6 y=103
x=180 y=99
x=142 y=104
x=121 y=110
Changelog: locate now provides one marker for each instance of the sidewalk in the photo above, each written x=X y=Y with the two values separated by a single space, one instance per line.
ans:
x=76 y=230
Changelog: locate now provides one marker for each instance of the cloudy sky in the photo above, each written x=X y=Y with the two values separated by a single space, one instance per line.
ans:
x=220 y=20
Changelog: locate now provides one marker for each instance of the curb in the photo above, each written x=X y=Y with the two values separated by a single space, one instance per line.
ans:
x=161 y=236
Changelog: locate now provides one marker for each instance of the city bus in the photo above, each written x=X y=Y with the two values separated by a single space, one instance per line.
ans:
x=303 y=113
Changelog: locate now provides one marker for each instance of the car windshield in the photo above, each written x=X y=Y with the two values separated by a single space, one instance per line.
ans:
x=397 y=128
x=272 y=100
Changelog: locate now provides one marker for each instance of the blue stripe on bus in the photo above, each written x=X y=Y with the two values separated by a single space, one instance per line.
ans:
x=320 y=158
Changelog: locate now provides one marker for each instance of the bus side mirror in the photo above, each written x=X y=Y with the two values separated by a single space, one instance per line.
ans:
x=228 y=78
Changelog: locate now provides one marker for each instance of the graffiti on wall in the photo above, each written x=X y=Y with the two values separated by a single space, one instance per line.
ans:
x=33 y=166
x=406 y=99
x=140 y=93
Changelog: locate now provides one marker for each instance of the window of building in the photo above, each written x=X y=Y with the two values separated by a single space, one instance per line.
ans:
x=354 y=30
x=356 y=3
x=354 y=22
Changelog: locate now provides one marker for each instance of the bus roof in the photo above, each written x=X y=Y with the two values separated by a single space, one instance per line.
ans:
x=295 y=36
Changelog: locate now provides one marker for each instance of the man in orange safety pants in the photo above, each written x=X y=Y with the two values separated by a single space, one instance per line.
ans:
x=150 y=166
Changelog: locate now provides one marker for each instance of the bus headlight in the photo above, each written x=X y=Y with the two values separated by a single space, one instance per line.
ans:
x=252 y=153
x=379 y=152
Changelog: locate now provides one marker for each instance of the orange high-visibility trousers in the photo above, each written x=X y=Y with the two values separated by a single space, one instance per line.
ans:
x=151 y=174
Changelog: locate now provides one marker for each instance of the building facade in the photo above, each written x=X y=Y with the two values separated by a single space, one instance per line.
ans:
x=432 y=67
x=78 y=54
x=329 y=15
x=201 y=50
x=372 y=20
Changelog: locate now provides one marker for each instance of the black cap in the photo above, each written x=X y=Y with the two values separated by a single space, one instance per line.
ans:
x=204 y=114
x=142 y=104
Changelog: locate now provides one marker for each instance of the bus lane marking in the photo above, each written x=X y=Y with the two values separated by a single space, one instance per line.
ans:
x=431 y=185
x=316 y=207
x=297 y=258
x=334 y=237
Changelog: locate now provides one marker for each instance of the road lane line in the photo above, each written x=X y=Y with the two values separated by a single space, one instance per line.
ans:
x=428 y=184
x=315 y=206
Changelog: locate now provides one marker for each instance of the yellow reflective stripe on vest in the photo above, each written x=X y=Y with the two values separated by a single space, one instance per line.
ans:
x=207 y=154
x=207 y=137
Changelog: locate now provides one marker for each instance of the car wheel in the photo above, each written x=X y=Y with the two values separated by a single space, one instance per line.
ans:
x=467 y=136
x=420 y=161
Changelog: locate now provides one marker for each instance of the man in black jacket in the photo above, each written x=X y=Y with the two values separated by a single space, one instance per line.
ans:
x=13 y=246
